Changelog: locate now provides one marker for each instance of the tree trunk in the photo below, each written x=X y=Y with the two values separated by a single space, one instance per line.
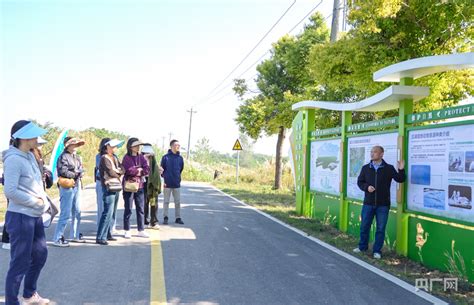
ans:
x=278 y=162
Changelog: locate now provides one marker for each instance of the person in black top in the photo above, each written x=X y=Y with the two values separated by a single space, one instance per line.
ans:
x=374 y=180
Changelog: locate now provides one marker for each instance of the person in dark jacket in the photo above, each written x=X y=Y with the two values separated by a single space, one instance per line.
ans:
x=69 y=166
x=98 y=183
x=374 y=180
x=173 y=165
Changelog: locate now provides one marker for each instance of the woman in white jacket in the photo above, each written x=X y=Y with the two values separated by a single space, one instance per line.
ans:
x=23 y=221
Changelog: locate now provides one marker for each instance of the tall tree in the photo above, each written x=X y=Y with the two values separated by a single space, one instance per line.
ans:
x=389 y=31
x=282 y=79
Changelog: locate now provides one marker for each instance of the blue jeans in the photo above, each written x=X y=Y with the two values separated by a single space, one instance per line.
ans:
x=28 y=255
x=67 y=198
x=100 y=201
x=139 y=199
x=110 y=200
x=381 y=218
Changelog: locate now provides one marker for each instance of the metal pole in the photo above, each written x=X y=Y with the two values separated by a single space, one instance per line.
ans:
x=189 y=134
x=237 y=168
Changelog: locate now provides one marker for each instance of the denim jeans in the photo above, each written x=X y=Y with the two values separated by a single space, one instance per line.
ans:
x=100 y=201
x=76 y=213
x=381 y=218
x=28 y=255
x=110 y=200
x=67 y=198
x=139 y=199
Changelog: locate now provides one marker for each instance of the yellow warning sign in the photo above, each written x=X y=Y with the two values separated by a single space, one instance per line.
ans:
x=237 y=145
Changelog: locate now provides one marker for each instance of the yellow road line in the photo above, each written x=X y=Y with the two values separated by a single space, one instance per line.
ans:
x=157 y=272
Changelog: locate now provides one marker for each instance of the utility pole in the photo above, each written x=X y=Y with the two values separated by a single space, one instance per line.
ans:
x=335 y=20
x=170 y=134
x=189 y=134
x=163 y=144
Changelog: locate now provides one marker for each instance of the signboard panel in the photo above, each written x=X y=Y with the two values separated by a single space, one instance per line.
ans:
x=441 y=171
x=325 y=167
x=359 y=154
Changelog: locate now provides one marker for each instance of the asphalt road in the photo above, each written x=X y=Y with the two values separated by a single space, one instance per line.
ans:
x=225 y=253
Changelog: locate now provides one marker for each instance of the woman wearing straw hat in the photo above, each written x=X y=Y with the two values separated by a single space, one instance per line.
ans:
x=27 y=202
x=70 y=172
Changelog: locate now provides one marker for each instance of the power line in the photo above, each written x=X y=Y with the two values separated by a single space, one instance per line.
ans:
x=253 y=49
x=258 y=60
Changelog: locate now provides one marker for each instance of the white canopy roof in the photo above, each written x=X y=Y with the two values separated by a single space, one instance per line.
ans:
x=423 y=66
x=387 y=99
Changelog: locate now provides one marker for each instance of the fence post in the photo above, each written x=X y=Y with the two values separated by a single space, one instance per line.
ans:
x=344 y=205
x=406 y=107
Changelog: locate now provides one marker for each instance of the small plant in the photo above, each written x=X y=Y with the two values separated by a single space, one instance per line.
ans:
x=456 y=265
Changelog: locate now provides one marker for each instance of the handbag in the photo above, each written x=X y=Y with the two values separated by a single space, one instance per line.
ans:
x=66 y=183
x=131 y=186
x=50 y=213
x=113 y=185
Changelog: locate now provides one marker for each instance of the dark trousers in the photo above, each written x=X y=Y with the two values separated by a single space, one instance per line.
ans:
x=151 y=212
x=139 y=200
x=28 y=255
x=381 y=217
x=110 y=200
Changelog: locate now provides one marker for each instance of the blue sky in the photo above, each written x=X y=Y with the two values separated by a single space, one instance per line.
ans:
x=134 y=66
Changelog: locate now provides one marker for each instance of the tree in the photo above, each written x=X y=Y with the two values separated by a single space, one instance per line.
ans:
x=282 y=79
x=389 y=31
x=203 y=151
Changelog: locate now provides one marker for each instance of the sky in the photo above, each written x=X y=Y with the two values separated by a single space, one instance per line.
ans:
x=136 y=66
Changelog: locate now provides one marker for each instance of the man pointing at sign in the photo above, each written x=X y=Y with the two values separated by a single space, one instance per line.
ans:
x=374 y=180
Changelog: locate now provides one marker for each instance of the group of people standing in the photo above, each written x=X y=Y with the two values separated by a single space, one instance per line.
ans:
x=137 y=176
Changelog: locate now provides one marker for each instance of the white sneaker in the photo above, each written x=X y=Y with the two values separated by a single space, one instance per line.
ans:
x=35 y=299
x=377 y=256
x=356 y=250
x=143 y=234
x=127 y=235
x=156 y=227
x=6 y=246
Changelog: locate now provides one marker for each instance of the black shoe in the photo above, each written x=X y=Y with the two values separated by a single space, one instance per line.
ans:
x=111 y=238
x=178 y=220
x=102 y=242
x=165 y=220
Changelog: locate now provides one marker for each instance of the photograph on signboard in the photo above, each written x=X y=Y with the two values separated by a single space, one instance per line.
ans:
x=456 y=161
x=420 y=174
x=460 y=196
x=470 y=161
x=359 y=154
x=439 y=170
x=325 y=170
x=434 y=198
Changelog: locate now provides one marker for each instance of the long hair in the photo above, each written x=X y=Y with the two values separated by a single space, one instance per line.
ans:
x=17 y=126
x=103 y=147
x=129 y=147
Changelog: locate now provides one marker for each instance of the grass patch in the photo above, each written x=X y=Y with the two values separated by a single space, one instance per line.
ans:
x=281 y=205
